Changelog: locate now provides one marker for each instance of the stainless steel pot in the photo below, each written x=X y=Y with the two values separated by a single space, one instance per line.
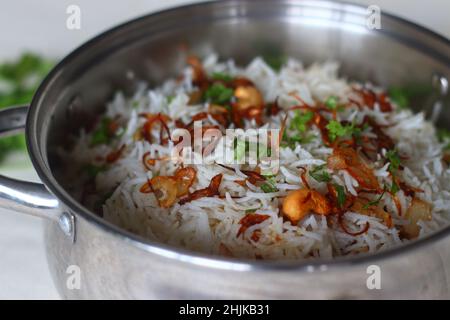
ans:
x=116 y=264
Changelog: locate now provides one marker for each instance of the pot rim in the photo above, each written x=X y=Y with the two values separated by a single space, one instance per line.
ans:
x=185 y=255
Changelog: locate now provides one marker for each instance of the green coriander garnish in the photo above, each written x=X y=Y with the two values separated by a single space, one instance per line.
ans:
x=394 y=160
x=394 y=188
x=102 y=135
x=320 y=174
x=218 y=94
x=394 y=164
x=337 y=129
x=269 y=185
x=170 y=99
x=268 y=188
x=331 y=102
x=300 y=120
x=340 y=194
x=296 y=138
x=374 y=202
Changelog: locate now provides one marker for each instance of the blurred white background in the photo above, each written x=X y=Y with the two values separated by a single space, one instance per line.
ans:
x=40 y=26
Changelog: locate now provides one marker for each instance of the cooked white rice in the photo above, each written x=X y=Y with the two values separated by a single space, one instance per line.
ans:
x=211 y=224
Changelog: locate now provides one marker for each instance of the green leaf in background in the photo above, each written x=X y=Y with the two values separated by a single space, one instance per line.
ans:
x=19 y=80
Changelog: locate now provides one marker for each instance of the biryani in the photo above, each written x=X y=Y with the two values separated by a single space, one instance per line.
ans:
x=342 y=170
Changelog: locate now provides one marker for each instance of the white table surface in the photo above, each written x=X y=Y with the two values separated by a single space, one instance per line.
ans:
x=40 y=26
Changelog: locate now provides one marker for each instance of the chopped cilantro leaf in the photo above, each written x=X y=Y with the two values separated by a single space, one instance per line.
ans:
x=332 y=102
x=337 y=129
x=218 y=94
x=300 y=120
x=294 y=139
x=170 y=99
x=394 y=188
x=269 y=185
x=101 y=135
x=374 y=202
x=340 y=194
x=394 y=160
x=319 y=174
x=268 y=188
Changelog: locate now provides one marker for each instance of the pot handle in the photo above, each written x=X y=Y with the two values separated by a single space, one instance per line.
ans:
x=27 y=197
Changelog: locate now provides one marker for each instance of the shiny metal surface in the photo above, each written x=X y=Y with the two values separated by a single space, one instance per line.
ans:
x=27 y=197
x=116 y=264
x=12 y=120
x=439 y=84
